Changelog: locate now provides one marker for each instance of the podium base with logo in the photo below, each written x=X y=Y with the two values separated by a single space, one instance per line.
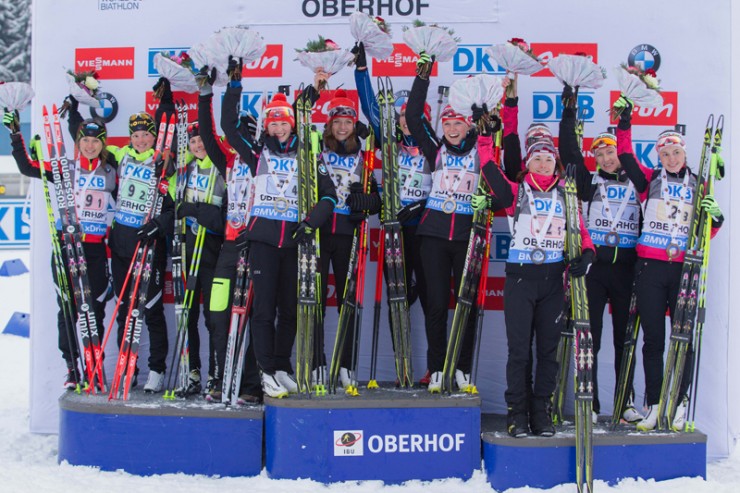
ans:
x=149 y=435
x=383 y=434
x=547 y=462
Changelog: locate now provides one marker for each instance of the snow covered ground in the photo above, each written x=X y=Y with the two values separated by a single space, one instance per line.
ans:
x=29 y=462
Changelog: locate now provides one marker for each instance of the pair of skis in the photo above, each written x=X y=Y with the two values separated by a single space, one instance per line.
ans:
x=184 y=286
x=350 y=313
x=238 y=340
x=690 y=311
x=75 y=293
x=140 y=269
x=309 y=274
x=392 y=249
x=583 y=351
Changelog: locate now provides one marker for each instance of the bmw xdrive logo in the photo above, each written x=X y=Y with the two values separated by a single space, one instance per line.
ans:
x=108 y=107
x=644 y=57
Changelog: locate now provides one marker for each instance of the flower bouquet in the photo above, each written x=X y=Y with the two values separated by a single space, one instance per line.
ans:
x=14 y=96
x=434 y=40
x=640 y=86
x=84 y=86
x=178 y=69
x=373 y=32
x=237 y=42
x=324 y=55
x=479 y=90
x=577 y=71
x=516 y=57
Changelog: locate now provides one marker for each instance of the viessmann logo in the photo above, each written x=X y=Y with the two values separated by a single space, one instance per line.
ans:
x=547 y=51
x=109 y=63
x=400 y=63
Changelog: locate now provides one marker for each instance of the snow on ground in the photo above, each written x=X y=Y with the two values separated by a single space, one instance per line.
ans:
x=28 y=462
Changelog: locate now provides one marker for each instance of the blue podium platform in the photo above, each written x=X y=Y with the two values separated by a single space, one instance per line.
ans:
x=149 y=435
x=624 y=453
x=384 y=434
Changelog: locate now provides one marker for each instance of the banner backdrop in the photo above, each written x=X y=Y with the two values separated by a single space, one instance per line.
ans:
x=120 y=38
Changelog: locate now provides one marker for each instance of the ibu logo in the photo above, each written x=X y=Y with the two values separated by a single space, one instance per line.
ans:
x=473 y=59
x=281 y=165
x=349 y=443
x=548 y=107
x=545 y=206
x=347 y=162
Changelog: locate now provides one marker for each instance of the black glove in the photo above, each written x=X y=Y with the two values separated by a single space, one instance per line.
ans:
x=303 y=233
x=360 y=58
x=148 y=232
x=241 y=240
x=205 y=80
x=250 y=123
x=358 y=200
x=163 y=90
x=495 y=123
x=234 y=70
x=568 y=97
x=580 y=266
x=411 y=211
x=478 y=112
x=626 y=115
x=187 y=209
x=361 y=130
x=357 y=217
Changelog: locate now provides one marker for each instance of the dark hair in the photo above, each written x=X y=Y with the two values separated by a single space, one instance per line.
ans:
x=349 y=146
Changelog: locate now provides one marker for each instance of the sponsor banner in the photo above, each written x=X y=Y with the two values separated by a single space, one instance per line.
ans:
x=109 y=63
x=15 y=227
x=393 y=11
x=664 y=116
x=319 y=113
x=191 y=100
x=270 y=64
x=547 y=106
x=400 y=63
x=473 y=59
x=548 y=51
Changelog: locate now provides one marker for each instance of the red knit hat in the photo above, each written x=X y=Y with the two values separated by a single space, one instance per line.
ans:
x=427 y=110
x=341 y=106
x=449 y=113
x=279 y=110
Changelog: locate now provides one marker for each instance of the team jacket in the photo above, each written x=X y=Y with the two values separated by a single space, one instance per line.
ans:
x=275 y=223
x=455 y=171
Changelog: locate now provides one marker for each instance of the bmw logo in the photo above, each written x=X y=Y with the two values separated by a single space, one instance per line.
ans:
x=108 y=107
x=401 y=97
x=644 y=57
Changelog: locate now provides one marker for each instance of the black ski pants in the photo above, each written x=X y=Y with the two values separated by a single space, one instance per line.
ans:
x=275 y=278
x=154 y=317
x=440 y=258
x=532 y=309
x=657 y=289
x=335 y=250
x=610 y=283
